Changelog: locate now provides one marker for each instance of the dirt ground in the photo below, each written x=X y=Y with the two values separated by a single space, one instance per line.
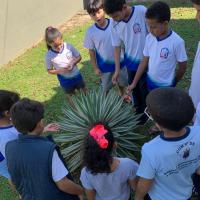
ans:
x=81 y=17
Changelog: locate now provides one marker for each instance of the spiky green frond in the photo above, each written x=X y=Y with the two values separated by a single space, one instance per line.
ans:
x=90 y=109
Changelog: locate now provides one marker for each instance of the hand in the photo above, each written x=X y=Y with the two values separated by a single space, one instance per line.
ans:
x=130 y=88
x=127 y=98
x=70 y=67
x=115 y=77
x=63 y=70
x=53 y=127
x=97 y=71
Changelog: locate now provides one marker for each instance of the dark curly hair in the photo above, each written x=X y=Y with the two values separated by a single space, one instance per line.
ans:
x=112 y=6
x=159 y=11
x=93 y=6
x=172 y=108
x=7 y=99
x=96 y=159
x=26 y=114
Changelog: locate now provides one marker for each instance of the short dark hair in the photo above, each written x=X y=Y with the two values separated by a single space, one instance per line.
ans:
x=93 y=6
x=171 y=108
x=26 y=114
x=96 y=159
x=111 y=6
x=7 y=99
x=197 y=2
x=159 y=11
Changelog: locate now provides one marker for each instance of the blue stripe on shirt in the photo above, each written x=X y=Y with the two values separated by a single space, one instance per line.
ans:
x=130 y=63
x=106 y=66
x=1 y=157
x=151 y=84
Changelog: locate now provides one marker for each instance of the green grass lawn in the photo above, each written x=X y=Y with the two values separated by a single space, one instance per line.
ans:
x=27 y=74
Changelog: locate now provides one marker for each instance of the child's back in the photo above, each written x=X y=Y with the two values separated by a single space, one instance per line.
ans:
x=105 y=177
x=114 y=185
x=169 y=160
x=33 y=161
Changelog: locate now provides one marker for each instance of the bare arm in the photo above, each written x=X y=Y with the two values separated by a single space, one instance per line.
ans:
x=142 y=67
x=90 y=194
x=58 y=71
x=181 y=70
x=69 y=186
x=117 y=52
x=76 y=60
x=133 y=183
x=143 y=188
x=94 y=61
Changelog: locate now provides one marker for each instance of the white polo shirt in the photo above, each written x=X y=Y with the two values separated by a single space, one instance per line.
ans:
x=171 y=163
x=132 y=34
x=57 y=60
x=99 y=40
x=194 y=90
x=163 y=57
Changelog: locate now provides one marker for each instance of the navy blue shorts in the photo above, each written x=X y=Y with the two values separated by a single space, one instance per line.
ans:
x=70 y=85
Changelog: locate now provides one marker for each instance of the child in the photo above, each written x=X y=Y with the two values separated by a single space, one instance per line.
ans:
x=163 y=49
x=105 y=176
x=169 y=160
x=98 y=42
x=129 y=28
x=7 y=131
x=61 y=59
x=194 y=91
x=35 y=167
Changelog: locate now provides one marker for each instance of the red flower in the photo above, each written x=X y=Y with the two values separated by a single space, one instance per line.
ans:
x=98 y=133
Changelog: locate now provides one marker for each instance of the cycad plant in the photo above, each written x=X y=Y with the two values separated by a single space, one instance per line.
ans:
x=93 y=108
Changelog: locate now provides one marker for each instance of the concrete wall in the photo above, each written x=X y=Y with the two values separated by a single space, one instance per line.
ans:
x=22 y=22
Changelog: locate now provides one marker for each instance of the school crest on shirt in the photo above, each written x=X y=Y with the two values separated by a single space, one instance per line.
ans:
x=136 y=28
x=68 y=55
x=185 y=149
x=164 y=53
x=186 y=153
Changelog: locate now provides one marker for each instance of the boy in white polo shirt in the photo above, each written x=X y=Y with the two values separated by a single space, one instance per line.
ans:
x=169 y=160
x=163 y=50
x=98 y=42
x=129 y=27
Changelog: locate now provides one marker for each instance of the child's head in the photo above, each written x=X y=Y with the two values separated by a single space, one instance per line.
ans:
x=95 y=10
x=196 y=4
x=27 y=116
x=158 y=16
x=53 y=38
x=170 y=108
x=115 y=9
x=7 y=99
x=98 y=148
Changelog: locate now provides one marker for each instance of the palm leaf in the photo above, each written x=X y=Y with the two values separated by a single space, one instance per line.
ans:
x=92 y=108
